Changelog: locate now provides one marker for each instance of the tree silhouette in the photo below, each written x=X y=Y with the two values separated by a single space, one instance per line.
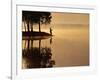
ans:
x=35 y=17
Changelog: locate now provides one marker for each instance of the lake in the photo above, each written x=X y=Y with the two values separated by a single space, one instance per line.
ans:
x=68 y=47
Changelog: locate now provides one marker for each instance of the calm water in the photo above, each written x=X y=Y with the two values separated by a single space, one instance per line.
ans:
x=68 y=47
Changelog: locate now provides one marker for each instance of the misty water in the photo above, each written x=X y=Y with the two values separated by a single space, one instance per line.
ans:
x=68 y=47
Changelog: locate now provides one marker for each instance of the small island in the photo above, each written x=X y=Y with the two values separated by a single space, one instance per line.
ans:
x=30 y=19
x=35 y=33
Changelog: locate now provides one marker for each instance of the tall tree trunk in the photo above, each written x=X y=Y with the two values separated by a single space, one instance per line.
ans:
x=39 y=27
x=24 y=26
x=31 y=27
x=28 y=26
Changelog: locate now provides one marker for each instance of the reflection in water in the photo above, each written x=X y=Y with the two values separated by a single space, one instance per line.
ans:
x=36 y=56
x=69 y=47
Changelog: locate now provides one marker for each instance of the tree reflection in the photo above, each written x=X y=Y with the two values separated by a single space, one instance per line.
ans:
x=37 y=57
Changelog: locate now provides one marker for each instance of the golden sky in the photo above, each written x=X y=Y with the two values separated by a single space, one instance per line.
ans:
x=70 y=18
